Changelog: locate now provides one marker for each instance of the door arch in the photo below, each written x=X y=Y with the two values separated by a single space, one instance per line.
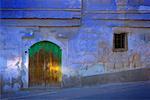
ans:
x=45 y=64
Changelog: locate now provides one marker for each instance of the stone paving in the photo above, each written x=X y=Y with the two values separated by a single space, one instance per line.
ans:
x=115 y=91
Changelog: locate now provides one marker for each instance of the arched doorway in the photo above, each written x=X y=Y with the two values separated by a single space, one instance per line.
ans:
x=45 y=64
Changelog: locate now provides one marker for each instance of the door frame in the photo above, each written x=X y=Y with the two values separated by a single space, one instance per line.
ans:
x=26 y=44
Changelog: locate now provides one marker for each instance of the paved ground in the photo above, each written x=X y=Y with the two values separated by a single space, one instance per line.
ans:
x=118 y=91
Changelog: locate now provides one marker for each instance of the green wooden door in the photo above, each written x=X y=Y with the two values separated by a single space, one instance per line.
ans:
x=44 y=64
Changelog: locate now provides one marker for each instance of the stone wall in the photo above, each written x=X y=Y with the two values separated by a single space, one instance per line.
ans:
x=15 y=43
x=117 y=77
x=83 y=29
x=92 y=49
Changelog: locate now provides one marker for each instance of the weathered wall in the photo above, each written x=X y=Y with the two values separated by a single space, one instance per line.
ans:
x=85 y=35
x=14 y=50
x=123 y=76
x=93 y=52
x=24 y=23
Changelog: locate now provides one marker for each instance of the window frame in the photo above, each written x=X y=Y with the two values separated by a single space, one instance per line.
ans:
x=125 y=43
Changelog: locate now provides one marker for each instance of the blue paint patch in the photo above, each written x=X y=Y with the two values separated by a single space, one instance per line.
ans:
x=101 y=5
x=39 y=14
x=40 y=4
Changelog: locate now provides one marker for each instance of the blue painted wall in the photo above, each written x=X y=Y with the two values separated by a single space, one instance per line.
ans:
x=27 y=4
x=84 y=33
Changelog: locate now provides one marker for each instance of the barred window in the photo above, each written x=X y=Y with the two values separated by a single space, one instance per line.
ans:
x=120 y=42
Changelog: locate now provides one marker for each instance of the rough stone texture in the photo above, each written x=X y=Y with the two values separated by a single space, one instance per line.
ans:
x=85 y=35
x=123 y=76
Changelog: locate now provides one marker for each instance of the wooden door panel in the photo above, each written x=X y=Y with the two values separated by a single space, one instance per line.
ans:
x=44 y=66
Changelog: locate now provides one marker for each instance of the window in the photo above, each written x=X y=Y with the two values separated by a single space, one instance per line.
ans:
x=120 y=42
